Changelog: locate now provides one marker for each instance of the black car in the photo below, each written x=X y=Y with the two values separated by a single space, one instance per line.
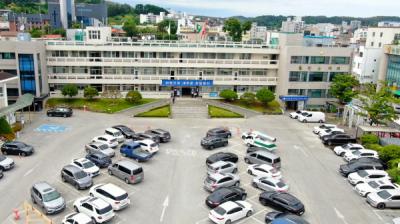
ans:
x=60 y=112
x=284 y=218
x=219 y=132
x=127 y=132
x=164 y=135
x=225 y=194
x=352 y=167
x=100 y=159
x=17 y=148
x=222 y=156
x=332 y=133
x=1 y=173
x=253 y=149
x=338 y=139
x=282 y=201
x=142 y=136
x=213 y=142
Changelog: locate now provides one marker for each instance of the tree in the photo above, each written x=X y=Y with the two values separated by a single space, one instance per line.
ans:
x=133 y=96
x=378 y=105
x=248 y=98
x=228 y=95
x=5 y=127
x=36 y=33
x=343 y=87
x=76 y=25
x=69 y=90
x=246 y=26
x=265 y=95
x=60 y=31
x=90 y=92
x=164 y=25
x=129 y=27
x=233 y=27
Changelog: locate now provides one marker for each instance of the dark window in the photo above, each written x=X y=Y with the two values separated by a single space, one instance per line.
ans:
x=7 y=55
x=318 y=77
x=88 y=206
x=319 y=60
x=340 y=60
x=264 y=158
x=27 y=73
x=137 y=171
x=125 y=170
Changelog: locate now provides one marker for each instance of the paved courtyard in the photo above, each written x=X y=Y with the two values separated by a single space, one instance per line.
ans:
x=172 y=191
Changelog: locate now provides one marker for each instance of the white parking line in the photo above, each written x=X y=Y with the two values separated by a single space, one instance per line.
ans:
x=31 y=170
x=340 y=215
x=377 y=215
x=165 y=205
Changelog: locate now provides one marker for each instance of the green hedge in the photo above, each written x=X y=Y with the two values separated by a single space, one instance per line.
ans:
x=369 y=139
x=5 y=127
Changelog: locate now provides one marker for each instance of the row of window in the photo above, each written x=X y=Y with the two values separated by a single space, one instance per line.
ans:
x=312 y=93
x=312 y=76
x=7 y=55
x=319 y=60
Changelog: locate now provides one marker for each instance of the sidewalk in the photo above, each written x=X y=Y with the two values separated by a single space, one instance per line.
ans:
x=240 y=110
x=145 y=107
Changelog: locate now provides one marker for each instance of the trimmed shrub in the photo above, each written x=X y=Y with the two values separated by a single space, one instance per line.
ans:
x=369 y=139
x=265 y=95
x=394 y=163
x=5 y=127
x=394 y=173
x=133 y=96
x=228 y=95
x=389 y=152
x=90 y=92
x=248 y=98
x=375 y=147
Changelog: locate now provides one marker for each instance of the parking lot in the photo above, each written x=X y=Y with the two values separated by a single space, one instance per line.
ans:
x=172 y=190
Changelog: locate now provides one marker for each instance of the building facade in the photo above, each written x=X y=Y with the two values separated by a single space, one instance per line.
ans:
x=390 y=66
x=295 y=25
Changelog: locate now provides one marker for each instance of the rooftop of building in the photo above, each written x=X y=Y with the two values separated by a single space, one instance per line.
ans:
x=5 y=76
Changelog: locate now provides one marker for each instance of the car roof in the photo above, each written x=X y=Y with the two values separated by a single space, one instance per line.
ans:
x=354 y=145
x=112 y=130
x=375 y=171
x=265 y=153
x=98 y=203
x=81 y=160
x=81 y=218
x=367 y=150
x=72 y=168
x=264 y=166
x=218 y=164
x=287 y=197
x=132 y=143
x=272 y=180
x=105 y=136
x=159 y=130
x=128 y=164
x=228 y=205
x=43 y=187
x=382 y=182
x=147 y=141
x=217 y=129
x=212 y=138
x=113 y=189
x=217 y=176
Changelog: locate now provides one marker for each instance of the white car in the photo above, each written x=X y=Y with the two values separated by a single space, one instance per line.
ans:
x=245 y=135
x=364 y=189
x=114 y=195
x=270 y=184
x=363 y=176
x=97 y=209
x=77 y=218
x=296 y=114
x=342 y=150
x=384 y=199
x=106 y=139
x=148 y=145
x=115 y=133
x=362 y=153
x=263 y=170
x=87 y=166
x=317 y=129
x=6 y=163
x=230 y=211
x=222 y=167
x=329 y=131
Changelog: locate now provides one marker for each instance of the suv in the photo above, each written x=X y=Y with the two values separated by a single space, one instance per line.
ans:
x=100 y=159
x=218 y=180
x=17 y=148
x=97 y=209
x=77 y=177
x=6 y=163
x=219 y=132
x=212 y=142
x=107 y=139
x=47 y=197
x=282 y=201
x=60 y=112
x=341 y=150
x=117 y=197
x=164 y=135
x=222 y=156
x=115 y=133
x=127 y=132
x=355 y=166
x=363 y=176
x=222 y=167
x=225 y=194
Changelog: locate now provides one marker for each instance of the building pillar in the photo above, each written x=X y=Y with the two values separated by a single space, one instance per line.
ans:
x=4 y=86
x=382 y=70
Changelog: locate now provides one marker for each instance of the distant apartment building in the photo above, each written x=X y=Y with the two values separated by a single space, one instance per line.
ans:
x=388 y=24
x=150 y=18
x=355 y=24
x=390 y=66
x=320 y=29
x=359 y=36
x=295 y=25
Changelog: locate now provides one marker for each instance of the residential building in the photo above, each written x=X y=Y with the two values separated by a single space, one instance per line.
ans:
x=150 y=18
x=307 y=66
x=295 y=25
x=390 y=66
x=388 y=24
x=21 y=21
x=258 y=32
x=359 y=36
x=355 y=24
x=4 y=22
x=320 y=29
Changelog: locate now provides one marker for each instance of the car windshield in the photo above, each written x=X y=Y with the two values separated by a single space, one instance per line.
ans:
x=53 y=195
x=121 y=197
x=356 y=152
x=210 y=180
x=219 y=210
x=280 y=184
x=362 y=173
x=384 y=194
x=117 y=133
x=2 y=158
x=80 y=175
x=103 y=147
x=304 y=114
x=21 y=144
x=373 y=184
x=125 y=129
x=87 y=164
x=347 y=146
x=153 y=145
x=103 y=210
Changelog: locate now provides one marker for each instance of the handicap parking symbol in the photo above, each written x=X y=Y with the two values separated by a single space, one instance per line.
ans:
x=55 y=128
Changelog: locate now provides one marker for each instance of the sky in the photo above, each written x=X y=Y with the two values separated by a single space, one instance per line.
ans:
x=251 y=8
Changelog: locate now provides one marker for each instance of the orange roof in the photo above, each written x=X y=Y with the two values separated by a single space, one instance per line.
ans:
x=52 y=36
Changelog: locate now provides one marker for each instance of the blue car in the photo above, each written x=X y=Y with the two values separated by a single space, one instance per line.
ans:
x=133 y=150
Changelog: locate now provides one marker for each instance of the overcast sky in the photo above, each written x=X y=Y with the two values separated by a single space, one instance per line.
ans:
x=226 y=8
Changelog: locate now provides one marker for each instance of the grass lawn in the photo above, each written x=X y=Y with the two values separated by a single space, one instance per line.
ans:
x=217 y=112
x=97 y=105
x=272 y=107
x=163 y=111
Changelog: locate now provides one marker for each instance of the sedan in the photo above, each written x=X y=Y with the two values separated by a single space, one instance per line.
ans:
x=17 y=148
x=230 y=211
x=282 y=201
x=342 y=150
x=270 y=184
x=60 y=112
x=384 y=199
x=219 y=132
x=222 y=156
x=87 y=166
x=363 y=176
x=364 y=189
x=77 y=218
x=6 y=163
x=99 y=147
x=225 y=194
x=284 y=217
x=317 y=129
x=263 y=170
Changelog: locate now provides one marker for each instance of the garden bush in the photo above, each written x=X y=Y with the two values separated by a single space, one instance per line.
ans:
x=369 y=139
x=228 y=95
x=133 y=96
x=389 y=152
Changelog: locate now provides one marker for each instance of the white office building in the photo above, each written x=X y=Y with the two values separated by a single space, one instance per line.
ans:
x=295 y=25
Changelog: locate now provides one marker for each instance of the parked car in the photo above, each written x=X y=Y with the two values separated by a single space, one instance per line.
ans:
x=338 y=139
x=363 y=176
x=148 y=145
x=253 y=149
x=225 y=194
x=127 y=132
x=6 y=163
x=106 y=139
x=263 y=157
x=312 y=116
x=77 y=218
x=341 y=150
x=364 y=189
x=322 y=127
x=86 y=165
x=219 y=132
x=362 y=153
x=164 y=135
x=17 y=148
x=127 y=171
x=114 y=195
x=76 y=176
x=142 y=136
x=1 y=174
x=282 y=201
x=99 y=147
x=222 y=156
x=212 y=142
x=134 y=151
x=384 y=199
x=270 y=184
x=264 y=170
x=357 y=165
x=222 y=167
x=284 y=218
x=97 y=209
x=230 y=211
x=47 y=197
x=60 y=112
x=296 y=114
x=257 y=133
x=115 y=133
x=218 y=180
x=260 y=141
x=330 y=131
x=100 y=159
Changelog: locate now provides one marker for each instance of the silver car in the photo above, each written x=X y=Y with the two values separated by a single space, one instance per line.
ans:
x=47 y=197
x=99 y=147
x=222 y=167
x=127 y=171
x=218 y=180
x=76 y=176
x=270 y=184
x=384 y=199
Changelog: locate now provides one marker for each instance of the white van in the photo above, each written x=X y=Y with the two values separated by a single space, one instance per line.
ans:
x=312 y=117
x=260 y=140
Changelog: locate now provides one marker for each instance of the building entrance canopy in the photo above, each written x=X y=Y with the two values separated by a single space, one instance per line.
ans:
x=186 y=83
x=23 y=101
x=293 y=98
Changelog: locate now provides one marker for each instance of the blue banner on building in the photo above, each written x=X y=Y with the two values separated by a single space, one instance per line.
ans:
x=293 y=98
x=192 y=83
